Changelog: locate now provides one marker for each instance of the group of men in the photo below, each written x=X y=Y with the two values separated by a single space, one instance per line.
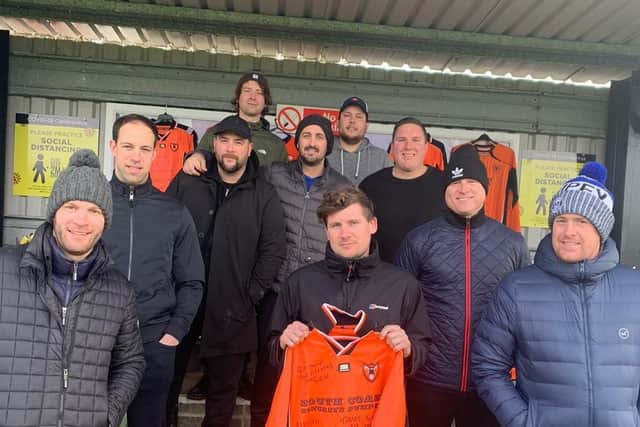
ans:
x=100 y=311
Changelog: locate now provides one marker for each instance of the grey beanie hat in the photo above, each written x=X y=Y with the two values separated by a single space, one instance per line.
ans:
x=82 y=180
x=587 y=196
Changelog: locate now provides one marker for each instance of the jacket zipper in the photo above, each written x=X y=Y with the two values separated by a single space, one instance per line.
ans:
x=467 y=307
x=587 y=347
x=304 y=211
x=65 y=369
x=130 y=233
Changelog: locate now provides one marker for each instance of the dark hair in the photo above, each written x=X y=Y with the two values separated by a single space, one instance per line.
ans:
x=335 y=201
x=412 y=121
x=133 y=118
x=262 y=82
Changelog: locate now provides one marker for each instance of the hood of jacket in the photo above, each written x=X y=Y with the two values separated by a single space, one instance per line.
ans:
x=587 y=272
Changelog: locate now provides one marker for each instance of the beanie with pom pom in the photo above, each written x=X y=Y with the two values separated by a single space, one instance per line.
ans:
x=81 y=180
x=586 y=195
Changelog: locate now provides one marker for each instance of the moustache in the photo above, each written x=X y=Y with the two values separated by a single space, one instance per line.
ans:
x=316 y=149
x=229 y=156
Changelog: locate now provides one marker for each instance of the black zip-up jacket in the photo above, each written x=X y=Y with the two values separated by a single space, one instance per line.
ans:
x=73 y=363
x=459 y=263
x=153 y=242
x=384 y=292
x=241 y=233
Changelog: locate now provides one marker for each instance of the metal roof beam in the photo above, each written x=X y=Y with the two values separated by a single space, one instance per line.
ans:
x=192 y=20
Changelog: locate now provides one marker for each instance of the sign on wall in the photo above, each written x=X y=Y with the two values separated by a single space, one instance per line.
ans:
x=288 y=116
x=540 y=181
x=43 y=145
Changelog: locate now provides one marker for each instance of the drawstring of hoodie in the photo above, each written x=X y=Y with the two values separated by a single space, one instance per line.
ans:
x=342 y=163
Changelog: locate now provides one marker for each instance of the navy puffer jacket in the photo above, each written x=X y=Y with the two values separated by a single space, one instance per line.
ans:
x=573 y=332
x=459 y=263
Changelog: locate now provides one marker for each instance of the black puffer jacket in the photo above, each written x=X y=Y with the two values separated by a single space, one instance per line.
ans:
x=241 y=234
x=84 y=372
x=153 y=242
x=460 y=263
x=384 y=292
x=306 y=237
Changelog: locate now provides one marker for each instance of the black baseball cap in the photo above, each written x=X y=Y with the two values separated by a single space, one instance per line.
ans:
x=233 y=124
x=358 y=102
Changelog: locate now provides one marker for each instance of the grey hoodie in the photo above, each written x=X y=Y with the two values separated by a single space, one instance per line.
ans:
x=361 y=163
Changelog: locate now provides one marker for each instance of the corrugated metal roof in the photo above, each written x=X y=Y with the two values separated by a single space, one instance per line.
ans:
x=580 y=40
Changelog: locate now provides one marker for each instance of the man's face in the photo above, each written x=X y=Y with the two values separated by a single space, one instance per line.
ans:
x=574 y=238
x=312 y=145
x=251 y=101
x=133 y=153
x=232 y=151
x=349 y=232
x=465 y=197
x=352 y=125
x=409 y=147
x=77 y=227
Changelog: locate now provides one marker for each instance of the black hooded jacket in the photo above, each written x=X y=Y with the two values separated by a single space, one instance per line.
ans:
x=385 y=293
x=241 y=233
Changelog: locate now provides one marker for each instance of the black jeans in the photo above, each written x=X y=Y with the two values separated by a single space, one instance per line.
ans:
x=149 y=406
x=266 y=377
x=224 y=380
x=430 y=406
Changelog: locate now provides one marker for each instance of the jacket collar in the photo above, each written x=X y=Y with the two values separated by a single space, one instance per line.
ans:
x=461 y=222
x=61 y=266
x=261 y=124
x=122 y=189
x=348 y=269
x=295 y=167
x=587 y=272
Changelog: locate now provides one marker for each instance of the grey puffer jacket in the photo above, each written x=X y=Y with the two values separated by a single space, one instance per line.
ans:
x=306 y=237
x=573 y=333
x=82 y=368
x=356 y=166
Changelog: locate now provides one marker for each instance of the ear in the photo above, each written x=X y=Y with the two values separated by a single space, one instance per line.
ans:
x=112 y=147
x=373 y=225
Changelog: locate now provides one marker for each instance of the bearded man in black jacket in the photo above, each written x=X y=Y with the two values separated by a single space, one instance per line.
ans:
x=240 y=227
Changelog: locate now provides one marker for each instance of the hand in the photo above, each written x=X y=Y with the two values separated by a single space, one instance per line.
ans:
x=397 y=339
x=169 y=340
x=195 y=164
x=294 y=334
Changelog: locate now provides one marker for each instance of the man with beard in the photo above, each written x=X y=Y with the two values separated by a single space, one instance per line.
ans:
x=240 y=227
x=300 y=185
x=356 y=158
x=407 y=194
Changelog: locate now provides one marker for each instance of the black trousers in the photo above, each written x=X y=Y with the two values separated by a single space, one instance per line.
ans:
x=266 y=376
x=224 y=380
x=430 y=406
x=183 y=353
x=149 y=405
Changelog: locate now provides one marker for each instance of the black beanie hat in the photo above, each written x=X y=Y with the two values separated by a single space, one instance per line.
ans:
x=316 y=119
x=465 y=163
